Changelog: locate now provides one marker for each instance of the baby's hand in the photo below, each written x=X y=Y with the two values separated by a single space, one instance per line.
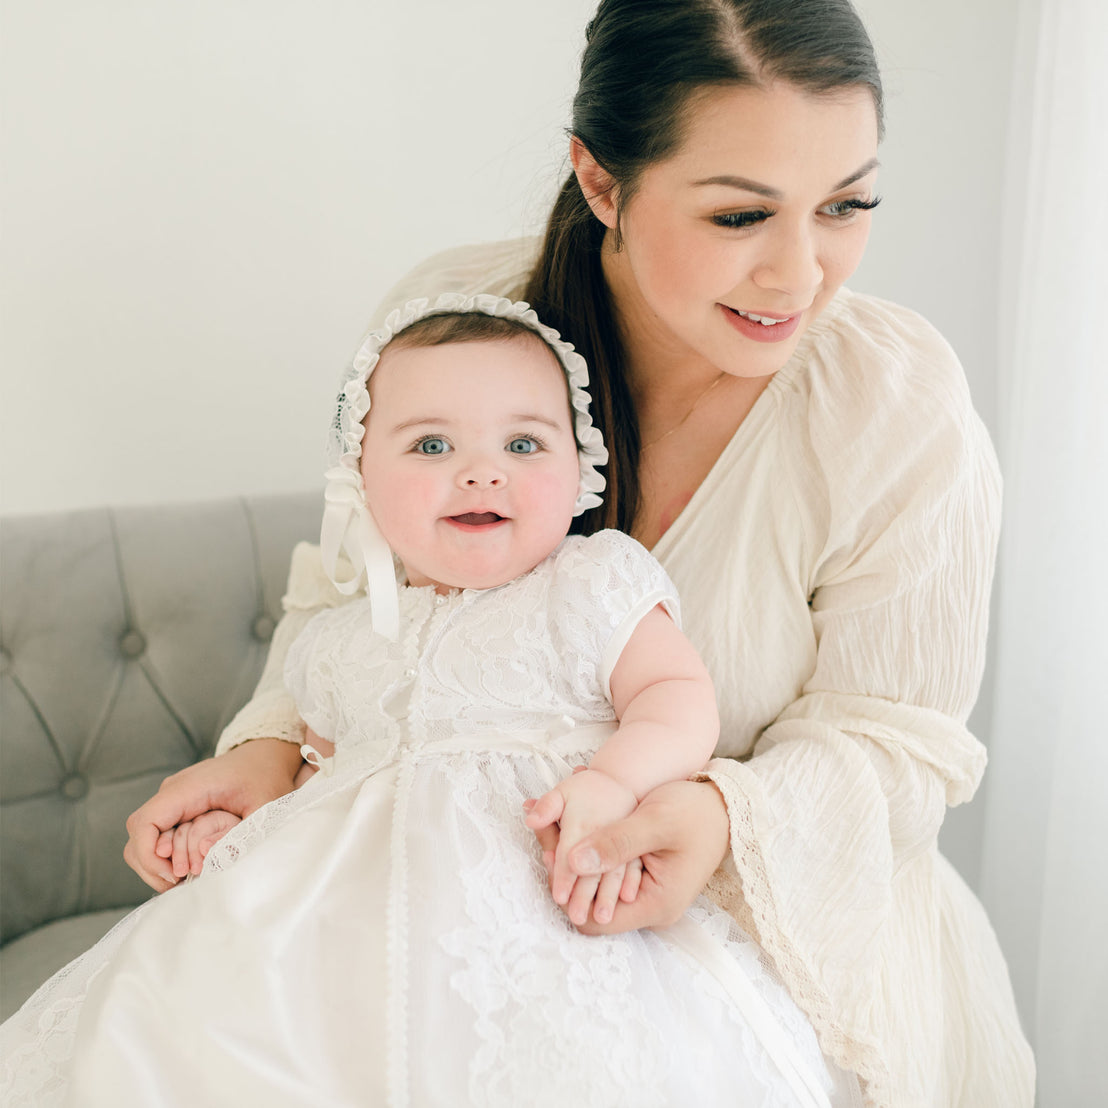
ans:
x=188 y=843
x=580 y=805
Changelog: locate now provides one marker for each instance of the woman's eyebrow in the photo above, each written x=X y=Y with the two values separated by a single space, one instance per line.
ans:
x=747 y=185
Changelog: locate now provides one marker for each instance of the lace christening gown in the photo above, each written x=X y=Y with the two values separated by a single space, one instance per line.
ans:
x=385 y=935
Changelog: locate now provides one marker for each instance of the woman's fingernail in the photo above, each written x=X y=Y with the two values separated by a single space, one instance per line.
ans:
x=587 y=862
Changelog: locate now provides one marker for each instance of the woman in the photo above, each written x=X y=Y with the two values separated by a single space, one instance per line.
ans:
x=807 y=466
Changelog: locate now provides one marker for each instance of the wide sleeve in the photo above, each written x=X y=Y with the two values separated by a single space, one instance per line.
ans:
x=501 y=268
x=850 y=782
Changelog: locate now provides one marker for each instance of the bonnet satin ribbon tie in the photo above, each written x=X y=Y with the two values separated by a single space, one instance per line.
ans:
x=348 y=527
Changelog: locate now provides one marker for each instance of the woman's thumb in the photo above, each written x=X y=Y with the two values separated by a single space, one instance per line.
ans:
x=612 y=846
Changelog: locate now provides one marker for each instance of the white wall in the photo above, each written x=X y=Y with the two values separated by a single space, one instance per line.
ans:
x=947 y=69
x=203 y=201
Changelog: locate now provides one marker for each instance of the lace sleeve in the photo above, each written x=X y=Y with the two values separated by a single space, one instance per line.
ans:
x=612 y=582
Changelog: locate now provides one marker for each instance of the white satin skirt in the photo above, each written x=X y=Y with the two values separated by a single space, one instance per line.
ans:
x=385 y=936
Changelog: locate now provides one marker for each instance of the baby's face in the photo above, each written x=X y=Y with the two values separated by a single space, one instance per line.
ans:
x=469 y=459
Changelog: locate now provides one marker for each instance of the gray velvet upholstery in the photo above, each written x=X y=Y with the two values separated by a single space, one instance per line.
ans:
x=128 y=639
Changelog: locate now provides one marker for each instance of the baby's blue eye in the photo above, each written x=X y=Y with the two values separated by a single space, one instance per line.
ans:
x=432 y=445
x=523 y=446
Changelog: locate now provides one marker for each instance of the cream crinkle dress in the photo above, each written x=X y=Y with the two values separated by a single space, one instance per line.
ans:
x=834 y=570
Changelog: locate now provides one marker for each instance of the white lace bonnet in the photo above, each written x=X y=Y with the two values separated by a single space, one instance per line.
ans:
x=348 y=526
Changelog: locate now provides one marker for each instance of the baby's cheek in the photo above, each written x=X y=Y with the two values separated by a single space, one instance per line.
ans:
x=556 y=491
x=405 y=513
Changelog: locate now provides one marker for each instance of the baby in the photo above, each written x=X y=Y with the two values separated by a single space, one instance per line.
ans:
x=384 y=933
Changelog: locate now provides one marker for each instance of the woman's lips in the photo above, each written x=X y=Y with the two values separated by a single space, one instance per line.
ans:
x=761 y=332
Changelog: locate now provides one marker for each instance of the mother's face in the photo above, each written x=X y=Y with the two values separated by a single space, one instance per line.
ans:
x=733 y=245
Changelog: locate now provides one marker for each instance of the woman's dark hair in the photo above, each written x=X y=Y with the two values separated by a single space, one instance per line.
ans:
x=643 y=61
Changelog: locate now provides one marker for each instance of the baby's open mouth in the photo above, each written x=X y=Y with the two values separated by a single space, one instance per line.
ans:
x=477 y=519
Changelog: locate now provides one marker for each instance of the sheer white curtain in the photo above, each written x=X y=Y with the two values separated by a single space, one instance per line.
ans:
x=1045 y=858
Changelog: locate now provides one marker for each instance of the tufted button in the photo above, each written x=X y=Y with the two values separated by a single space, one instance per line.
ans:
x=74 y=787
x=132 y=645
x=440 y=600
x=5 y=661
x=262 y=628
x=409 y=672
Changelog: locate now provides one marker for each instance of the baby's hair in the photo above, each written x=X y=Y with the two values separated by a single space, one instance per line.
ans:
x=449 y=327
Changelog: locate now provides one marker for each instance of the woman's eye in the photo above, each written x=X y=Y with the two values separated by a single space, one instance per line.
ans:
x=844 y=209
x=741 y=219
x=432 y=445
x=522 y=446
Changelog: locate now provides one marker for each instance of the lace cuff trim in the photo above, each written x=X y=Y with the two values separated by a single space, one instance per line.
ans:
x=755 y=911
x=271 y=715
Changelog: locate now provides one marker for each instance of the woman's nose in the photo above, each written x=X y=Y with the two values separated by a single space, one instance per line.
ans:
x=791 y=262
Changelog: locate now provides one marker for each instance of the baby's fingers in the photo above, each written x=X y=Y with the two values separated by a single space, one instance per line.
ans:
x=181 y=849
x=546 y=810
x=607 y=894
x=632 y=879
x=163 y=848
x=581 y=899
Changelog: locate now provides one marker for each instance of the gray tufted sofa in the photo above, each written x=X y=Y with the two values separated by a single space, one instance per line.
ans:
x=128 y=639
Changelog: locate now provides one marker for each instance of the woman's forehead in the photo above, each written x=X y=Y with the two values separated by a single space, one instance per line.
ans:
x=749 y=132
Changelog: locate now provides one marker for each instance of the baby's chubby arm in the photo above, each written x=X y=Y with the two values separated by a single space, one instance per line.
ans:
x=669 y=725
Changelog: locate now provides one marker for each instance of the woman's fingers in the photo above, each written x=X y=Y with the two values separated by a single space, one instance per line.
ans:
x=238 y=782
x=681 y=832
x=158 y=879
x=618 y=843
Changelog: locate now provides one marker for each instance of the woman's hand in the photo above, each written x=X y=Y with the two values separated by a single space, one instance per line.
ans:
x=680 y=831
x=238 y=782
x=586 y=801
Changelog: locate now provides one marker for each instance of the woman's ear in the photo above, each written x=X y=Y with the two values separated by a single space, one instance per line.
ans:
x=597 y=184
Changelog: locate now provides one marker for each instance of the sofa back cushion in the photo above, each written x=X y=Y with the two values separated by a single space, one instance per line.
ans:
x=128 y=639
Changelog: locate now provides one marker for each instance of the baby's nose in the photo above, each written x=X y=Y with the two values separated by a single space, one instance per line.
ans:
x=482 y=474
